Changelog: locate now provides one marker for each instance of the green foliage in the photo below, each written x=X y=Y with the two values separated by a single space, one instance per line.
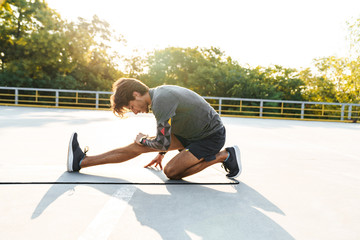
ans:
x=338 y=80
x=211 y=73
x=39 y=49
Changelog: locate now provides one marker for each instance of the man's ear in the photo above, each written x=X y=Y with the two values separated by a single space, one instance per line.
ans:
x=136 y=94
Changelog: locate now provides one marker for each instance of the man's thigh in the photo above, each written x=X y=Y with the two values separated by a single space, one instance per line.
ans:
x=175 y=144
x=180 y=163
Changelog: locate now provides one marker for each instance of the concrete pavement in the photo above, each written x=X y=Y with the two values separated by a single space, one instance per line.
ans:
x=300 y=181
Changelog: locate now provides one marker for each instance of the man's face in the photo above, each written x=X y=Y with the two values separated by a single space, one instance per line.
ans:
x=139 y=105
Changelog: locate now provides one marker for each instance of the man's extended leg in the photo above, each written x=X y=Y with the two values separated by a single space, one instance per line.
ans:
x=185 y=164
x=124 y=153
x=116 y=156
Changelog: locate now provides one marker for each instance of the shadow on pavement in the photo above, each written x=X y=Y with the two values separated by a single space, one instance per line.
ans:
x=197 y=209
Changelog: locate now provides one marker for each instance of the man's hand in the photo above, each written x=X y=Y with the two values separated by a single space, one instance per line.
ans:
x=157 y=161
x=138 y=138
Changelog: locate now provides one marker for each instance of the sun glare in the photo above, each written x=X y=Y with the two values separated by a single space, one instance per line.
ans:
x=280 y=32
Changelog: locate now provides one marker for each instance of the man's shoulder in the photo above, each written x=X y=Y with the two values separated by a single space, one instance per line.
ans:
x=173 y=90
x=166 y=91
x=164 y=102
x=161 y=92
x=169 y=88
x=164 y=95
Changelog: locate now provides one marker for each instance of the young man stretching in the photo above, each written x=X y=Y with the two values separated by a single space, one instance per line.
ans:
x=185 y=122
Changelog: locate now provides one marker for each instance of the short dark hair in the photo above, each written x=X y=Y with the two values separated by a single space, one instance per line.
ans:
x=123 y=93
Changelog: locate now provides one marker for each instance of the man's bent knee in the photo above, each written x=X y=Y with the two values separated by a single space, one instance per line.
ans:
x=171 y=173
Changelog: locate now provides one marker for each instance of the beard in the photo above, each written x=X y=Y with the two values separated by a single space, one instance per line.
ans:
x=145 y=108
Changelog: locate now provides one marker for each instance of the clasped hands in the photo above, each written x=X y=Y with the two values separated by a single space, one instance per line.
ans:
x=157 y=160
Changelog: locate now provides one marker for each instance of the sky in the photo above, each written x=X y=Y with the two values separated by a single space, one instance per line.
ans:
x=290 y=33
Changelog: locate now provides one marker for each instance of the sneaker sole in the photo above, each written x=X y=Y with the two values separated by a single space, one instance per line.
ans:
x=238 y=159
x=70 y=158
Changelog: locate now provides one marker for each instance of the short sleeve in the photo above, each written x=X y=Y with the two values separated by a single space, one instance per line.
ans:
x=164 y=106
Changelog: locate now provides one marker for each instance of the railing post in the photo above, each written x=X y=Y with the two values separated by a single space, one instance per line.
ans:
x=220 y=102
x=16 y=96
x=349 y=112
x=57 y=98
x=302 y=110
x=342 y=112
x=261 y=108
x=97 y=100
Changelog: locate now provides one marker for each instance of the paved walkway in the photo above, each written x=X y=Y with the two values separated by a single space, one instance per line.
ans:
x=300 y=181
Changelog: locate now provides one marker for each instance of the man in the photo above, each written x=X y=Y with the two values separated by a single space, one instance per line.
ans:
x=185 y=122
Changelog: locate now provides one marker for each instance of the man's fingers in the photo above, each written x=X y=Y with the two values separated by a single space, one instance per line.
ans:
x=151 y=163
x=158 y=163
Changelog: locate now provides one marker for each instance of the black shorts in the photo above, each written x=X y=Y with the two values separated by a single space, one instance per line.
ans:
x=205 y=148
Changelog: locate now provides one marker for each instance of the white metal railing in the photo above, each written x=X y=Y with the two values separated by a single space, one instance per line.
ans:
x=244 y=107
x=344 y=107
x=53 y=97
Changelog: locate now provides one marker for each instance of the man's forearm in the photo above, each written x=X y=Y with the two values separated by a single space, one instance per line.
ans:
x=162 y=140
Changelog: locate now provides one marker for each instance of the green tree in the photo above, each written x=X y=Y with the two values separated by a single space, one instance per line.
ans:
x=254 y=84
x=88 y=49
x=172 y=66
x=209 y=72
x=205 y=71
x=39 y=49
x=340 y=79
x=19 y=20
x=135 y=66
x=216 y=73
x=317 y=89
x=337 y=79
x=286 y=83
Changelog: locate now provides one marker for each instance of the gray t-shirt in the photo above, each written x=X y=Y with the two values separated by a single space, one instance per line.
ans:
x=192 y=117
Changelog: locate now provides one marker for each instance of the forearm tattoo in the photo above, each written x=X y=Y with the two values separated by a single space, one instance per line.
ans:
x=163 y=137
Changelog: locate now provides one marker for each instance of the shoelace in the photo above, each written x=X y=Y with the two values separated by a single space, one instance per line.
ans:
x=86 y=149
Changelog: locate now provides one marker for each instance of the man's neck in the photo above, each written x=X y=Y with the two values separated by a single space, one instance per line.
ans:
x=147 y=98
